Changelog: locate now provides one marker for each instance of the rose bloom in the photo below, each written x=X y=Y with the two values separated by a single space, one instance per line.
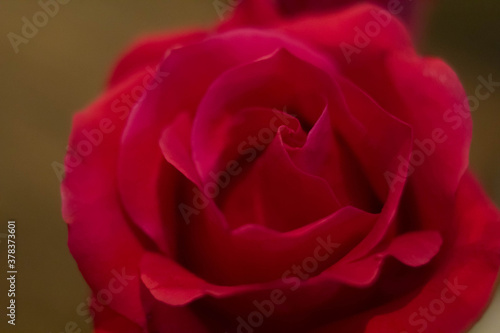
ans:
x=304 y=174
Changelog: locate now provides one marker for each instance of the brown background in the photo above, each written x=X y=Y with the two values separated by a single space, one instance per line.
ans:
x=63 y=68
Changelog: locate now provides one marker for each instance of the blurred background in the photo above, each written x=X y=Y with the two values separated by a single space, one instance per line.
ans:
x=63 y=68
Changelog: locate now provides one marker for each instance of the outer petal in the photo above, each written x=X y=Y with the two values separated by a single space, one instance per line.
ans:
x=433 y=101
x=251 y=13
x=337 y=33
x=150 y=51
x=469 y=270
x=100 y=238
x=461 y=287
x=99 y=235
x=163 y=318
x=108 y=321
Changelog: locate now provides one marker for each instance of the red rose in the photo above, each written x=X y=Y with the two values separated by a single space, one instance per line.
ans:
x=309 y=177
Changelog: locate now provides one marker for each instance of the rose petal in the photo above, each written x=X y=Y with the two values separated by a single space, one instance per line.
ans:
x=462 y=285
x=337 y=33
x=247 y=13
x=100 y=238
x=174 y=285
x=378 y=152
x=150 y=51
x=165 y=318
x=327 y=156
x=108 y=321
x=413 y=249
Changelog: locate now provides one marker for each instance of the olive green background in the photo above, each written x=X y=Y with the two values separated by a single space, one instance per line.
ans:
x=64 y=67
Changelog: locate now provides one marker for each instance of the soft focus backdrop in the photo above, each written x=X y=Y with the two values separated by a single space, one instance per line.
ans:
x=64 y=66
